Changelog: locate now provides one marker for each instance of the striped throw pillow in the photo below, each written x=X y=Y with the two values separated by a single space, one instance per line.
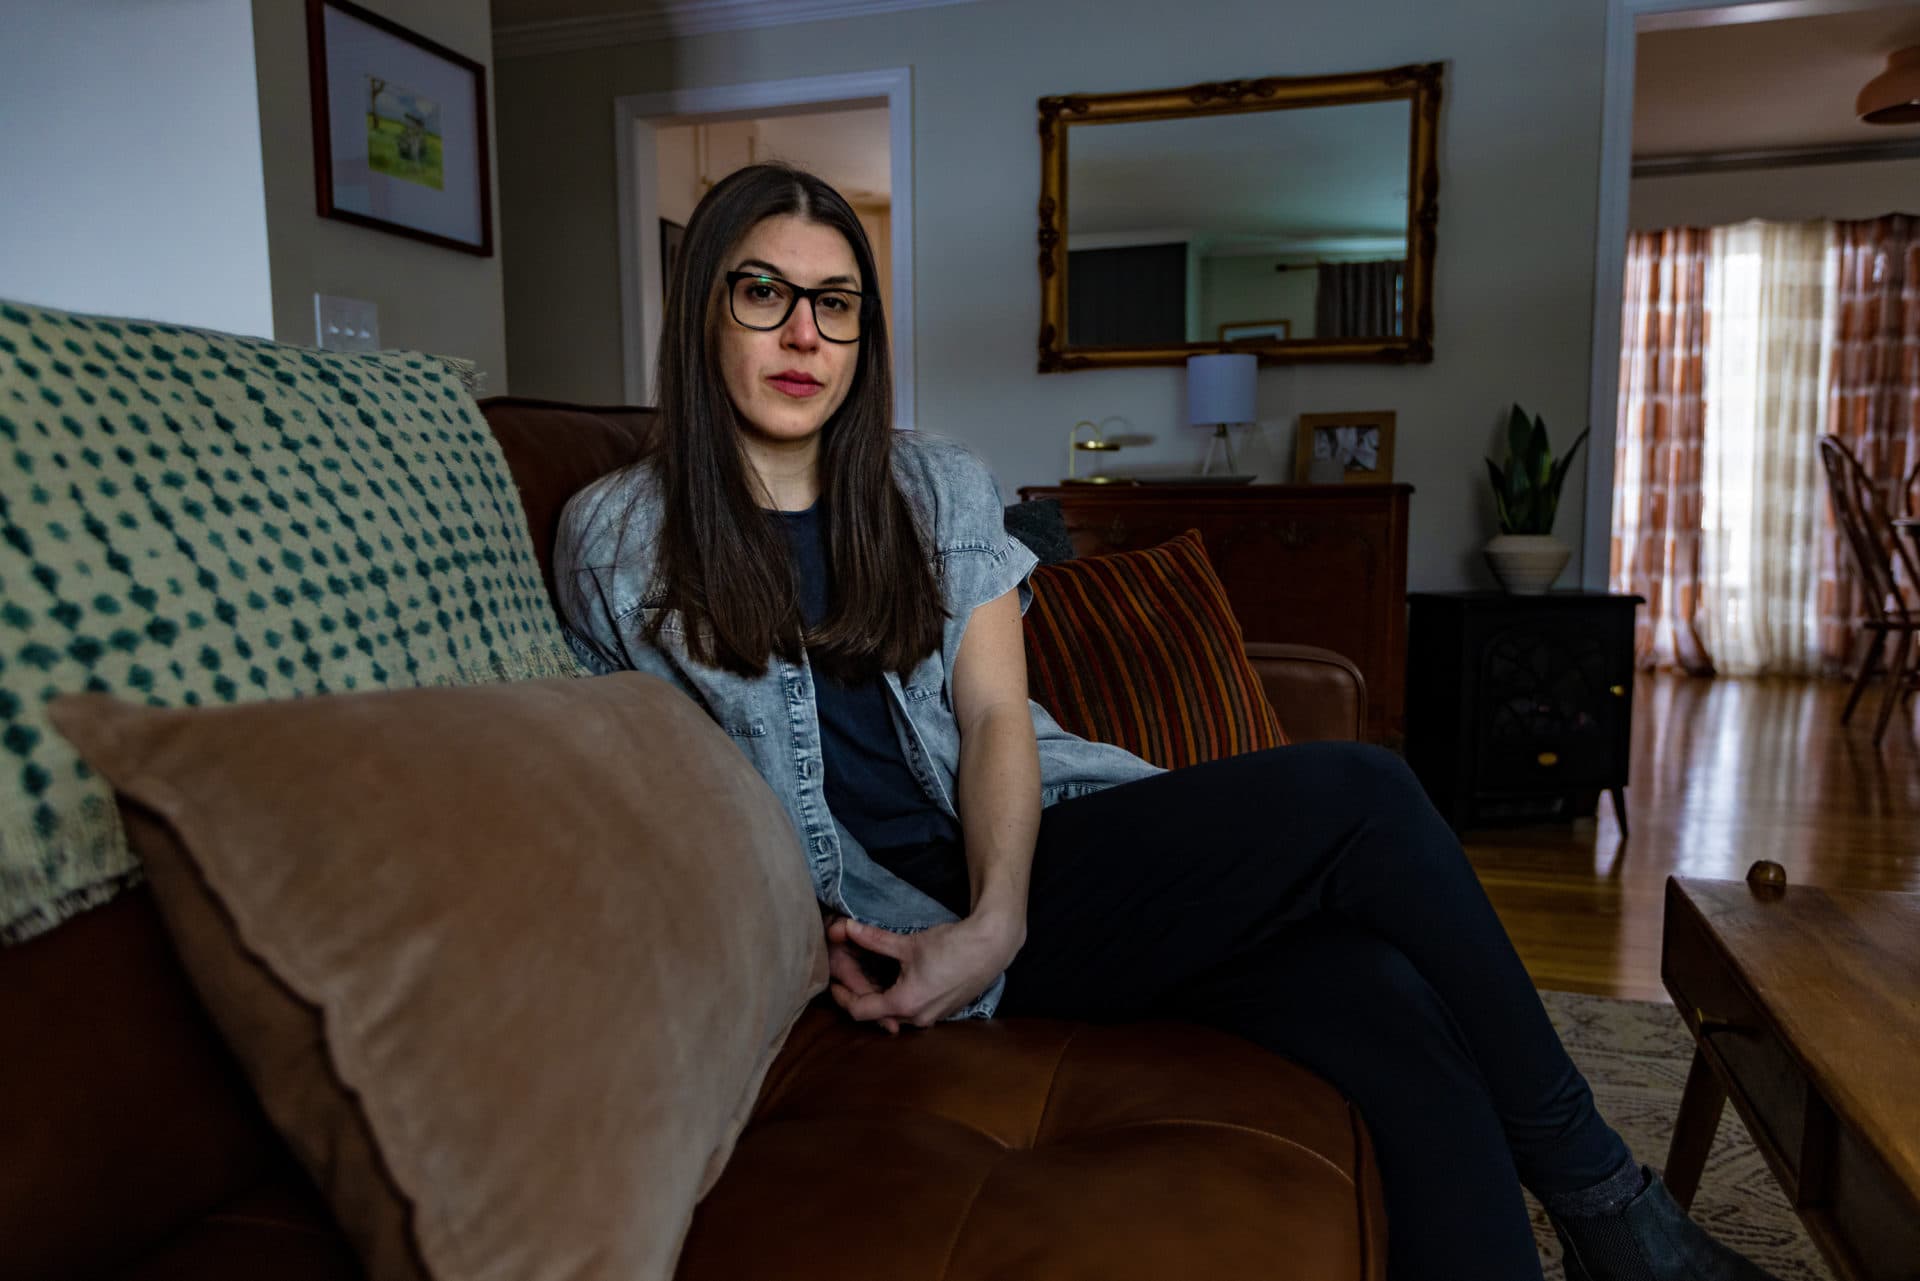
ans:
x=1141 y=649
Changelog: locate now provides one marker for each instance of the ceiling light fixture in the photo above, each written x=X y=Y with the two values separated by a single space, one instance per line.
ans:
x=1893 y=96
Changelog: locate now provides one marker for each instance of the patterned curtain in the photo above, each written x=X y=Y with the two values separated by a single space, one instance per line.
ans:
x=1874 y=399
x=1769 y=310
x=1358 y=299
x=1657 y=458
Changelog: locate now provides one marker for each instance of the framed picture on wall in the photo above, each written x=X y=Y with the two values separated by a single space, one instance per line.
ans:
x=399 y=130
x=1344 y=448
x=671 y=234
x=1257 y=331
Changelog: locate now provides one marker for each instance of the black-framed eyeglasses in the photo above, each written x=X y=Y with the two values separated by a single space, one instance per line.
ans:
x=760 y=301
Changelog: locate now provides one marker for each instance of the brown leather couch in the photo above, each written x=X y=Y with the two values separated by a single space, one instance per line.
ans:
x=130 y=1147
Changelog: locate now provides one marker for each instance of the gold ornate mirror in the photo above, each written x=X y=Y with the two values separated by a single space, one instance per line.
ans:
x=1293 y=218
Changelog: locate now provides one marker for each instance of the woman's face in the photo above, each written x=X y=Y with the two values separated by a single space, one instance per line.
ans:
x=785 y=383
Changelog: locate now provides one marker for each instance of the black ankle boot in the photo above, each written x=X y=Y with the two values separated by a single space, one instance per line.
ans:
x=1650 y=1238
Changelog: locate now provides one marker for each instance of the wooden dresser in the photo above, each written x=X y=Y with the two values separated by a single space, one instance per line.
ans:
x=1310 y=564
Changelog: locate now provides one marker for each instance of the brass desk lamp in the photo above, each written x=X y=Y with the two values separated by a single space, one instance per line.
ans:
x=1092 y=445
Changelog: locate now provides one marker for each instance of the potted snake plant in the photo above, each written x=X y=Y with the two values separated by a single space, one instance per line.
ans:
x=1526 y=557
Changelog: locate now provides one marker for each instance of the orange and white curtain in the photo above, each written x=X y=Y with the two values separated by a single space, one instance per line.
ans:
x=1658 y=444
x=1873 y=397
x=1770 y=316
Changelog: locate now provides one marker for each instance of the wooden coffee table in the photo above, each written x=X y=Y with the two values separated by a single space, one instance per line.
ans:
x=1804 y=1006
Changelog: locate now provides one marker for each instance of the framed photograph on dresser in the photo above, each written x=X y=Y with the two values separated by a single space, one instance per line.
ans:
x=1344 y=449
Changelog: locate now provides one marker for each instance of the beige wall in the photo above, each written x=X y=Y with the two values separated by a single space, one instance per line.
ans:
x=1247 y=288
x=677 y=164
x=430 y=298
x=688 y=157
x=1783 y=195
x=1519 y=157
x=852 y=143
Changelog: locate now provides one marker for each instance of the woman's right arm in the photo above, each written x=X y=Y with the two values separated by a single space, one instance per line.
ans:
x=604 y=647
x=585 y=555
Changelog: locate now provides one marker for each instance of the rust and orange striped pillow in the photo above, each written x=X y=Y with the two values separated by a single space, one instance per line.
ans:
x=1142 y=650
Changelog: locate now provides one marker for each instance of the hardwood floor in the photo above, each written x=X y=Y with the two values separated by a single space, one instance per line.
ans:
x=1724 y=772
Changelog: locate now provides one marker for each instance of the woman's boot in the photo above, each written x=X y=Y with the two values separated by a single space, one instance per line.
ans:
x=1649 y=1238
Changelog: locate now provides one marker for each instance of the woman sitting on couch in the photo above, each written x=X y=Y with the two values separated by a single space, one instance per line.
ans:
x=844 y=601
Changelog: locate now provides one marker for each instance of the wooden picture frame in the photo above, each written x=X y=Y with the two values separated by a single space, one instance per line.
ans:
x=1256 y=331
x=399 y=130
x=1419 y=85
x=1352 y=440
x=672 y=234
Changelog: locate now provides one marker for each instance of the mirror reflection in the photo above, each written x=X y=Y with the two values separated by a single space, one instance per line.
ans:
x=1292 y=217
x=1253 y=228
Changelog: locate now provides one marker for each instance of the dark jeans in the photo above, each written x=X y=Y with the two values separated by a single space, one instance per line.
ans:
x=1310 y=899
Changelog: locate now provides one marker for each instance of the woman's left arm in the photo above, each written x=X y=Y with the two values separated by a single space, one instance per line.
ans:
x=999 y=782
x=945 y=968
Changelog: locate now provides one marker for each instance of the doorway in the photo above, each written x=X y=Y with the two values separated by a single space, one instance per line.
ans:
x=855 y=131
x=1626 y=19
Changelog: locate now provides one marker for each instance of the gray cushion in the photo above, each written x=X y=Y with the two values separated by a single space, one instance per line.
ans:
x=1040 y=524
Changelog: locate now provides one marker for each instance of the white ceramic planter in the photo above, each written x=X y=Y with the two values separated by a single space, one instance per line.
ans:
x=1527 y=564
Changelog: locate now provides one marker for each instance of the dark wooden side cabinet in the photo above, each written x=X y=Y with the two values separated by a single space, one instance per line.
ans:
x=1308 y=564
x=1520 y=708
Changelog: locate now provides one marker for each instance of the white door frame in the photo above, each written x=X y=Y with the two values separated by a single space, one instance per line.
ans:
x=1610 y=235
x=635 y=163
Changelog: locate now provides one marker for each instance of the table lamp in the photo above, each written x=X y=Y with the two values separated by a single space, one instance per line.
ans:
x=1219 y=394
x=1094 y=444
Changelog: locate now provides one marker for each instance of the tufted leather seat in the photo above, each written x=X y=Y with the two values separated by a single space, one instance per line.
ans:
x=1029 y=1148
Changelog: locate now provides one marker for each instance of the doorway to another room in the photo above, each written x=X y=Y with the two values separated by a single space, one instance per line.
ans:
x=1772 y=246
x=845 y=146
x=1729 y=770
x=853 y=131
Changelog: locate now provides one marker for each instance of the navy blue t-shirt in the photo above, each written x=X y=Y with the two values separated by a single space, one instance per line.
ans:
x=869 y=787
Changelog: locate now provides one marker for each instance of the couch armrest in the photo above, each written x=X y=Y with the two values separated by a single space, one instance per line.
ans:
x=1317 y=693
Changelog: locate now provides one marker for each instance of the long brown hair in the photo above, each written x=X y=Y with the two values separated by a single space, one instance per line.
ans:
x=722 y=558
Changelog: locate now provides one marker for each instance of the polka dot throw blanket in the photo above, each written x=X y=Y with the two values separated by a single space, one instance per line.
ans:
x=193 y=518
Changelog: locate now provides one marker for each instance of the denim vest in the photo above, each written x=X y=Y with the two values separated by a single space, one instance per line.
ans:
x=603 y=570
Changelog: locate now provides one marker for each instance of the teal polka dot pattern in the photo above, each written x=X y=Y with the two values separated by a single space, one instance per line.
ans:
x=190 y=519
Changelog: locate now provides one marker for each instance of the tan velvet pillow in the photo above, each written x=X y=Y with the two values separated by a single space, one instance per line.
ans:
x=506 y=964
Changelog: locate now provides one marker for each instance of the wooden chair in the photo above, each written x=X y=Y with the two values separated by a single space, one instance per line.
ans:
x=1869 y=532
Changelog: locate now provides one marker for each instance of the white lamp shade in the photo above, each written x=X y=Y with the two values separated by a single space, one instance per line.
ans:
x=1220 y=388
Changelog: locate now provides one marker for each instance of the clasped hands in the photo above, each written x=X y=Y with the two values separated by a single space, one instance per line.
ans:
x=942 y=969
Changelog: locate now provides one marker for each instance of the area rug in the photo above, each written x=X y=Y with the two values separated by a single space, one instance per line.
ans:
x=1636 y=1054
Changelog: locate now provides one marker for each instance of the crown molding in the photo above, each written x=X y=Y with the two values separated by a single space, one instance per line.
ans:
x=1662 y=15
x=674 y=19
x=1844 y=153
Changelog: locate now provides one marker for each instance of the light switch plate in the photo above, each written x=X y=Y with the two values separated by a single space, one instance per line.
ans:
x=346 y=324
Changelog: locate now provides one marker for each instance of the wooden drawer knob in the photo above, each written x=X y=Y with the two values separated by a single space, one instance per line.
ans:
x=1767 y=879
